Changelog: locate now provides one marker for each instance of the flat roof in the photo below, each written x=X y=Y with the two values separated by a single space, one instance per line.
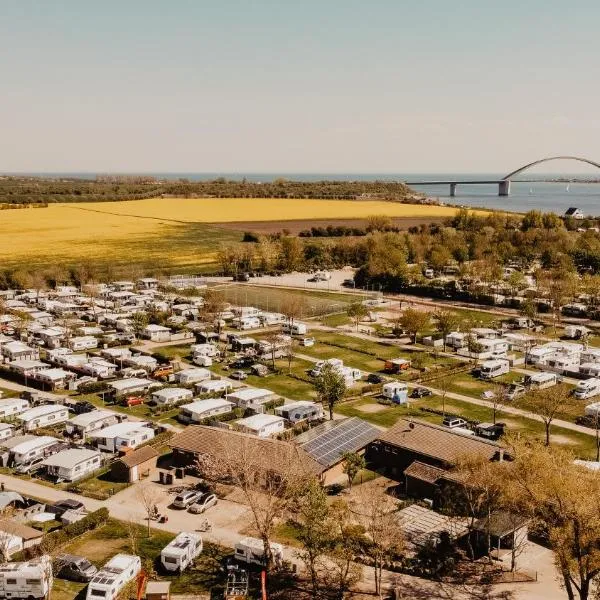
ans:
x=258 y=421
x=40 y=411
x=172 y=392
x=91 y=417
x=251 y=393
x=31 y=444
x=70 y=458
x=131 y=382
x=209 y=404
x=119 y=429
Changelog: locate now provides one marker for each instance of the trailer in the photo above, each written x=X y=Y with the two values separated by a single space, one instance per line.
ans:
x=541 y=381
x=396 y=365
x=113 y=577
x=588 y=388
x=26 y=580
x=252 y=551
x=12 y=406
x=494 y=368
x=395 y=391
x=179 y=553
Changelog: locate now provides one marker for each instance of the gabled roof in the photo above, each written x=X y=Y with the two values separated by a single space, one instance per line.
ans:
x=437 y=442
x=19 y=530
x=423 y=472
x=139 y=456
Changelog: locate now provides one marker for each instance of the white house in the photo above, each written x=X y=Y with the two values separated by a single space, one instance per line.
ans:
x=19 y=351
x=72 y=464
x=26 y=367
x=83 y=342
x=575 y=213
x=55 y=379
x=122 y=435
x=168 y=396
x=251 y=396
x=213 y=386
x=98 y=367
x=303 y=410
x=132 y=385
x=12 y=406
x=262 y=425
x=141 y=361
x=6 y=431
x=157 y=333
x=85 y=423
x=192 y=375
x=26 y=448
x=202 y=409
x=42 y=416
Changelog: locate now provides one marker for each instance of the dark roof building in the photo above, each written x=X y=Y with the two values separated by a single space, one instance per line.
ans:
x=135 y=465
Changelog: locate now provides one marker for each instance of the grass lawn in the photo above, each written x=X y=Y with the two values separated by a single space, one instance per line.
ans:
x=465 y=383
x=101 y=544
x=335 y=320
x=101 y=486
x=6 y=393
x=477 y=317
x=569 y=411
x=180 y=351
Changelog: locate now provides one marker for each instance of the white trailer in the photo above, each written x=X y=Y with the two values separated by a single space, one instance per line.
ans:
x=395 y=391
x=12 y=406
x=541 y=381
x=588 y=388
x=41 y=416
x=589 y=369
x=180 y=552
x=494 y=368
x=296 y=328
x=113 y=577
x=251 y=550
x=26 y=580
x=214 y=386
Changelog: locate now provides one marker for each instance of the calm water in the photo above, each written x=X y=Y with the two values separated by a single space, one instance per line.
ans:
x=524 y=196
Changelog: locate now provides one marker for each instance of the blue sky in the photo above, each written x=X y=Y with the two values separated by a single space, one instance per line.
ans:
x=304 y=86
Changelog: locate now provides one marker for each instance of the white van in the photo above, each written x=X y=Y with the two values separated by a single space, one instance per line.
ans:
x=494 y=368
x=32 y=579
x=113 y=577
x=179 y=553
x=588 y=388
x=251 y=550
x=296 y=328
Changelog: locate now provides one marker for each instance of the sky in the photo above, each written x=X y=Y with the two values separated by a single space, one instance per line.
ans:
x=326 y=86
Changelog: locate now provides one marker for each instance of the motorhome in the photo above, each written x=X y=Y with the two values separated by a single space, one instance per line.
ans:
x=245 y=323
x=252 y=551
x=576 y=332
x=180 y=552
x=6 y=431
x=494 y=368
x=295 y=328
x=113 y=577
x=195 y=412
x=541 y=381
x=588 y=388
x=395 y=391
x=32 y=579
x=12 y=406
x=42 y=416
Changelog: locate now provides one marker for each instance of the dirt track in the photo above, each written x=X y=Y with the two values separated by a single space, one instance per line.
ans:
x=299 y=225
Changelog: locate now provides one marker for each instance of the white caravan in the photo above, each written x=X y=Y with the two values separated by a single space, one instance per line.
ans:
x=12 y=406
x=494 y=368
x=32 y=579
x=251 y=550
x=588 y=388
x=113 y=577
x=181 y=551
x=296 y=328
x=541 y=381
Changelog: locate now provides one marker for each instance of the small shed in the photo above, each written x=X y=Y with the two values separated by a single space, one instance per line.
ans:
x=158 y=590
x=135 y=465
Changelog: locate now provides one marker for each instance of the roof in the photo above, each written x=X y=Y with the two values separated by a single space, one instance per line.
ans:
x=275 y=455
x=572 y=210
x=31 y=444
x=174 y=392
x=139 y=456
x=259 y=421
x=437 y=442
x=19 y=530
x=328 y=442
x=214 y=384
x=158 y=587
x=251 y=394
x=70 y=458
x=119 y=429
x=7 y=498
x=423 y=472
x=40 y=411
x=131 y=382
x=501 y=523
x=420 y=524
x=204 y=405
x=91 y=417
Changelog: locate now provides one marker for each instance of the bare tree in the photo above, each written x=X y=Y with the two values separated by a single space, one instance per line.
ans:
x=148 y=498
x=547 y=404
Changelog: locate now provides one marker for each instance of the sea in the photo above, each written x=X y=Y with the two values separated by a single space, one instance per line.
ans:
x=526 y=194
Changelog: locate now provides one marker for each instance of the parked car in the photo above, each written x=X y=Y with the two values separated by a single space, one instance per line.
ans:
x=29 y=467
x=420 y=392
x=244 y=361
x=163 y=371
x=132 y=401
x=453 y=422
x=374 y=378
x=186 y=499
x=80 y=408
x=239 y=375
x=203 y=504
x=74 y=568
x=307 y=342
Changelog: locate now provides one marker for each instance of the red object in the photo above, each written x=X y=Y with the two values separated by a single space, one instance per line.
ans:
x=263 y=584
x=141 y=580
x=134 y=401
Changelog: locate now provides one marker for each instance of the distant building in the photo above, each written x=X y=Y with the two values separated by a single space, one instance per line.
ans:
x=574 y=213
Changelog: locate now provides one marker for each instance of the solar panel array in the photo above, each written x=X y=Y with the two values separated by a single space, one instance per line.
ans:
x=349 y=435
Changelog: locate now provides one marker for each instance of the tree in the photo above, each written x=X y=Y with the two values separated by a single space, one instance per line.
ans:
x=148 y=498
x=212 y=307
x=414 y=321
x=292 y=253
x=139 y=322
x=316 y=531
x=357 y=311
x=331 y=387
x=292 y=307
x=353 y=464
x=547 y=404
x=529 y=309
x=516 y=282
x=473 y=346
x=446 y=322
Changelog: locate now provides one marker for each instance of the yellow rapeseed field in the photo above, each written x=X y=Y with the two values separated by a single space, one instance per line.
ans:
x=163 y=233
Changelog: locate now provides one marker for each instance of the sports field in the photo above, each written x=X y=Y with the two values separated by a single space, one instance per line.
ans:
x=169 y=233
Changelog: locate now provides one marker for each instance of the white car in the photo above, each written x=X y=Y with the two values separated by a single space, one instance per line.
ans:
x=31 y=466
x=308 y=341
x=203 y=504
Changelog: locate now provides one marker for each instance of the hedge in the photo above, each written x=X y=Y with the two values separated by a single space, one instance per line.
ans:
x=60 y=537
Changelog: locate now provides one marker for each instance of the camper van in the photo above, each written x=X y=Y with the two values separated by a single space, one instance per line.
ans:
x=180 y=552
x=251 y=550
x=295 y=328
x=541 y=381
x=494 y=368
x=113 y=577
x=395 y=391
x=588 y=388
x=31 y=579
x=336 y=363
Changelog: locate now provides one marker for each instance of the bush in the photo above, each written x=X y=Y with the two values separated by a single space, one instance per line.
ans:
x=93 y=387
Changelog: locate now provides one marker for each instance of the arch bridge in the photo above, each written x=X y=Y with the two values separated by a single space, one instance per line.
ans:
x=503 y=183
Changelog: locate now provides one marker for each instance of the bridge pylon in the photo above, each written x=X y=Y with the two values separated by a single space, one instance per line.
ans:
x=504 y=187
